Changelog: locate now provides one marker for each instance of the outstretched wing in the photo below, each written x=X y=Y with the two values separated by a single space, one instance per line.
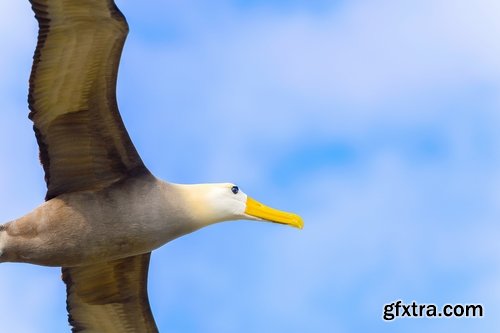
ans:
x=110 y=297
x=72 y=97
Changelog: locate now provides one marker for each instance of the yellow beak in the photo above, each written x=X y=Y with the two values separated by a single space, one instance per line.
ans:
x=261 y=211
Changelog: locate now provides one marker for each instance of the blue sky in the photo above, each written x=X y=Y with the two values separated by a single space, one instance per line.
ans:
x=377 y=121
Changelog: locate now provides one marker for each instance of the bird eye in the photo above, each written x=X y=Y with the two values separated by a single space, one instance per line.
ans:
x=235 y=189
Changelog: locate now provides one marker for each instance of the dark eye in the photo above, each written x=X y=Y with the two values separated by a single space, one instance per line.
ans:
x=235 y=189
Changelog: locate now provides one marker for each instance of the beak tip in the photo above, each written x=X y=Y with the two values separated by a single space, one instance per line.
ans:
x=299 y=223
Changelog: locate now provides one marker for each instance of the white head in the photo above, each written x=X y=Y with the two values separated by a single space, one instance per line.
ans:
x=211 y=203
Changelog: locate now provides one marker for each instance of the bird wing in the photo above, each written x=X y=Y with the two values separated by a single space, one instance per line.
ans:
x=72 y=96
x=110 y=297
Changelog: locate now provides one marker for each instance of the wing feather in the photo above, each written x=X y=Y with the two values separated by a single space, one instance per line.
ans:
x=110 y=297
x=72 y=97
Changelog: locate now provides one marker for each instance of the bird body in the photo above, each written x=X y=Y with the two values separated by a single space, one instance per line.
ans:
x=131 y=217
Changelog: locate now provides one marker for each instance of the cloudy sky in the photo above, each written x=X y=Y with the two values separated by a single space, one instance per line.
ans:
x=377 y=121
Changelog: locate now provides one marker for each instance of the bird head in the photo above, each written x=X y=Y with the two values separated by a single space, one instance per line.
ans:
x=225 y=201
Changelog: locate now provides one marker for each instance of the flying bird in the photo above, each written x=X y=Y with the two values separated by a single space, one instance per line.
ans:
x=104 y=211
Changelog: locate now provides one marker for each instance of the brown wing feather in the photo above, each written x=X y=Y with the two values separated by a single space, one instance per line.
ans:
x=83 y=142
x=110 y=297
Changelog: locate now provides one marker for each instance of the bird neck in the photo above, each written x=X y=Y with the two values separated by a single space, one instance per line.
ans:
x=196 y=204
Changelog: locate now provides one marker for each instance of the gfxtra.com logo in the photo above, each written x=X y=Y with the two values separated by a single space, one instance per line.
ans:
x=399 y=309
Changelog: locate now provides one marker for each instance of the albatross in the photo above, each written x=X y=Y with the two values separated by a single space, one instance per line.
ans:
x=104 y=212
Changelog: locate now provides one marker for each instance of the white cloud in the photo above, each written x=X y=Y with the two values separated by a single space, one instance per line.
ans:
x=339 y=71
